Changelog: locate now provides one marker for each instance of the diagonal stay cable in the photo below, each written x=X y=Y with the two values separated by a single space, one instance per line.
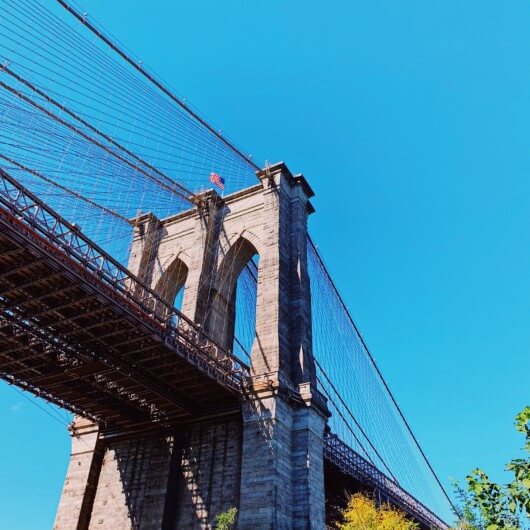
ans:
x=64 y=188
x=357 y=424
x=92 y=140
x=385 y=384
x=111 y=140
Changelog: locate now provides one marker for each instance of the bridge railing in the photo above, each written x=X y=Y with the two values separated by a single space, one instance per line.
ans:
x=178 y=331
x=351 y=463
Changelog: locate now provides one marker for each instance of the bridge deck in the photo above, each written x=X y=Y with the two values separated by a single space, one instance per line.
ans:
x=79 y=330
x=72 y=338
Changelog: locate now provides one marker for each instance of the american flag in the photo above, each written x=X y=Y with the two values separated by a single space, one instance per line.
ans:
x=217 y=180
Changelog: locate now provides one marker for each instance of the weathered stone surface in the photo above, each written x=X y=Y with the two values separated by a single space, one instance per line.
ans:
x=133 y=483
x=81 y=478
x=178 y=479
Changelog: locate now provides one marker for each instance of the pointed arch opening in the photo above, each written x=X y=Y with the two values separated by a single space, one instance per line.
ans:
x=172 y=283
x=245 y=303
x=232 y=316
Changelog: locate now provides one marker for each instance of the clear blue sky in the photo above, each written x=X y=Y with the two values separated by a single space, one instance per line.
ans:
x=411 y=120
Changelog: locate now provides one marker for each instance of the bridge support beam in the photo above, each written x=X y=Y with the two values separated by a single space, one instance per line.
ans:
x=282 y=481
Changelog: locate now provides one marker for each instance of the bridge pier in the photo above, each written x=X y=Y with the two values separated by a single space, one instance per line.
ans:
x=153 y=480
x=267 y=464
x=80 y=484
x=118 y=483
x=282 y=482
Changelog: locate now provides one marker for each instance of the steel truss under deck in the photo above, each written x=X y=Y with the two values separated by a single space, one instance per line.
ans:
x=85 y=333
x=349 y=462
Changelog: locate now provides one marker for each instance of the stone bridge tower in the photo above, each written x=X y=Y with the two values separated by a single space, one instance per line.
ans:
x=265 y=459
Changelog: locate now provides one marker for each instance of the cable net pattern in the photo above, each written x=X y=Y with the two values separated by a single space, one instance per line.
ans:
x=90 y=132
x=364 y=414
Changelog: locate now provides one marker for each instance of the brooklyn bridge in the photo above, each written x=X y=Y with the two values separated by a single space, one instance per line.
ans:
x=162 y=286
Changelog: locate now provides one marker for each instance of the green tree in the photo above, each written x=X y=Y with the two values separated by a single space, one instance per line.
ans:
x=486 y=505
x=226 y=520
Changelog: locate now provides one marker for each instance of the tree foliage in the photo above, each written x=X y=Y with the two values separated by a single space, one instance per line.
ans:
x=226 y=520
x=362 y=513
x=486 y=505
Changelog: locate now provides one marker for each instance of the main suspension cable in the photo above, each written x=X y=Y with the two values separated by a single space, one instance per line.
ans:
x=153 y=80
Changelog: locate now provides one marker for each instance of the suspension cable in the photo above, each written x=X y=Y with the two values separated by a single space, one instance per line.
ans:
x=153 y=80
x=372 y=361
x=77 y=130
x=111 y=140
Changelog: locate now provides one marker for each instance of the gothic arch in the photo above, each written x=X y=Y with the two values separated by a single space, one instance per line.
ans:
x=221 y=315
x=239 y=253
x=172 y=280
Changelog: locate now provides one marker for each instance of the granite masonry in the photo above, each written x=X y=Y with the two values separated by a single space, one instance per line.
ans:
x=267 y=459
